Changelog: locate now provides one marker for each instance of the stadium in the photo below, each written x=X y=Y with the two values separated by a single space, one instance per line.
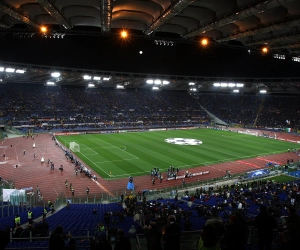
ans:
x=135 y=124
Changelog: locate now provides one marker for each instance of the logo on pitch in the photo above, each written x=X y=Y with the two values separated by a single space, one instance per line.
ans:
x=183 y=141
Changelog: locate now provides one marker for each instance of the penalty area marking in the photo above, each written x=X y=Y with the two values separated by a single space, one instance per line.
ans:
x=131 y=159
x=95 y=164
x=118 y=148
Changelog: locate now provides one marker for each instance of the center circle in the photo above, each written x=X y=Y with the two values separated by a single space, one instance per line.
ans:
x=183 y=141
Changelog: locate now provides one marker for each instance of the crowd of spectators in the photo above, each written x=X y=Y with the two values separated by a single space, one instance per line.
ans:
x=261 y=213
x=77 y=107
x=67 y=108
x=229 y=216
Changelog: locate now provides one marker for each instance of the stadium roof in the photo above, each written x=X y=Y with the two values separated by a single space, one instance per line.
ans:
x=80 y=35
x=249 y=22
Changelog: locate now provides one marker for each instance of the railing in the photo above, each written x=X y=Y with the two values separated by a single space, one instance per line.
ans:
x=82 y=242
x=12 y=129
x=167 y=193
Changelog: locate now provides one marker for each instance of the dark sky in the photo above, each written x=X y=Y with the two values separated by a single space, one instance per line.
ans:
x=115 y=54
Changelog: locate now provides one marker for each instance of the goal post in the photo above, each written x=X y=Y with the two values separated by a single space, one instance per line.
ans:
x=74 y=147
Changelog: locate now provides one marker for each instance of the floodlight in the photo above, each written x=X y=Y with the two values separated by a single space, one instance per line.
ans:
x=295 y=59
x=120 y=86
x=10 y=70
x=157 y=81
x=240 y=85
x=150 y=81
x=216 y=84
x=97 y=78
x=263 y=91
x=191 y=83
x=43 y=29
x=1 y=69
x=204 y=42
x=265 y=50
x=223 y=84
x=124 y=34
x=87 y=77
x=51 y=83
x=91 y=85
x=20 y=71
x=193 y=89
x=155 y=88
x=165 y=82
x=55 y=74
x=106 y=78
x=231 y=85
x=236 y=91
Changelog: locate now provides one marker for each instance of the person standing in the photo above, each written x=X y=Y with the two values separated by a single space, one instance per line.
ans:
x=171 y=234
x=30 y=216
x=45 y=213
x=24 y=152
x=52 y=208
x=87 y=190
x=236 y=233
x=57 y=239
x=66 y=183
x=122 y=243
x=73 y=191
x=265 y=224
x=208 y=239
x=217 y=223
x=17 y=220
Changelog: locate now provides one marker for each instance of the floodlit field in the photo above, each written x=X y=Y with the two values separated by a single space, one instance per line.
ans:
x=123 y=154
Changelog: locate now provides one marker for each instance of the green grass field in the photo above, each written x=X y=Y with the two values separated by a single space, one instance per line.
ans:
x=123 y=154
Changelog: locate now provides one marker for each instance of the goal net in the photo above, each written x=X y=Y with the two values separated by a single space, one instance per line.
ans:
x=74 y=147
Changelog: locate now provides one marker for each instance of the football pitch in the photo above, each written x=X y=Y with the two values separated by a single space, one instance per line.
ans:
x=136 y=153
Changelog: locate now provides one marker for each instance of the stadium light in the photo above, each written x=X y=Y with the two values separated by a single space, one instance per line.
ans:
x=263 y=91
x=265 y=50
x=10 y=70
x=20 y=71
x=240 y=85
x=44 y=29
x=50 y=83
x=87 y=77
x=204 y=42
x=157 y=81
x=236 y=91
x=155 y=88
x=231 y=85
x=97 y=78
x=55 y=74
x=150 y=81
x=217 y=84
x=165 y=82
x=1 y=69
x=223 y=84
x=106 y=78
x=295 y=59
x=120 y=86
x=193 y=89
x=191 y=83
x=124 y=34
x=91 y=85
x=278 y=56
